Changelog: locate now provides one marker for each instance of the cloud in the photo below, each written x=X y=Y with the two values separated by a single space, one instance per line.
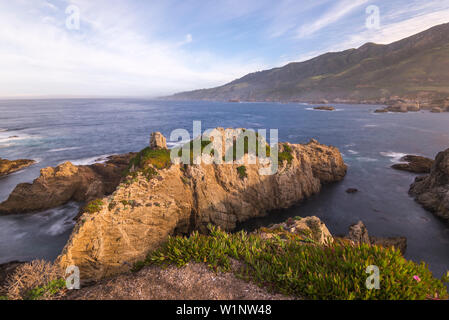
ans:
x=333 y=15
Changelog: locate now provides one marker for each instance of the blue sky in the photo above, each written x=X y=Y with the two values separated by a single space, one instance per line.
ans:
x=151 y=48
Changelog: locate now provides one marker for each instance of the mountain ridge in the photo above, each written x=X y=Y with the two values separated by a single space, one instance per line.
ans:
x=415 y=68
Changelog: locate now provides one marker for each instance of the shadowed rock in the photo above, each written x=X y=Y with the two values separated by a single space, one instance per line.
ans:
x=415 y=164
x=432 y=191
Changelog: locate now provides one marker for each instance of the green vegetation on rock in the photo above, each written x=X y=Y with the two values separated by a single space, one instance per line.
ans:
x=242 y=172
x=52 y=288
x=94 y=206
x=291 y=267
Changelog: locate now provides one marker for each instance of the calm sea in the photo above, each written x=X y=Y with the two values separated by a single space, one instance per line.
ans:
x=83 y=130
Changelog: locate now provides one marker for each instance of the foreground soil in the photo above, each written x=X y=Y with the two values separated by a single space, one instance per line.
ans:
x=192 y=282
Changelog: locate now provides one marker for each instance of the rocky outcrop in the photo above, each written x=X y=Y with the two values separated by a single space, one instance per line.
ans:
x=432 y=191
x=177 y=199
x=10 y=166
x=66 y=182
x=358 y=233
x=308 y=229
x=401 y=107
x=158 y=141
x=325 y=108
x=415 y=164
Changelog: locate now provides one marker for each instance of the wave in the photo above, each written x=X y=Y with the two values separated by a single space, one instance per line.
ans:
x=366 y=159
x=90 y=160
x=64 y=149
x=395 y=156
x=353 y=151
x=370 y=125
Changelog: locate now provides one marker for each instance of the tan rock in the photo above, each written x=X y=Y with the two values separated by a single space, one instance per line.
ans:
x=11 y=166
x=140 y=216
x=66 y=182
x=158 y=141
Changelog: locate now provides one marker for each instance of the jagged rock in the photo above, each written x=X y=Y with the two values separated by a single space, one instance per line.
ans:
x=158 y=141
x=66 y=182
x=358 y=233
x=352 y=190
x=139 y=216
x=10 y=166
x=432 y=191
x=415 y=164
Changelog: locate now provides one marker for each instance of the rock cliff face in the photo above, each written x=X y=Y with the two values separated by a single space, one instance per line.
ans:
x=66 y=182
x=10 y=166
x=432 y=191
x=177 y=199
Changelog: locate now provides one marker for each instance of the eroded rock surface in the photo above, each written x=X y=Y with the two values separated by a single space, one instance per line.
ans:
x=64 y=183
x=142 y=213
x=11 y=166
x=432 y=191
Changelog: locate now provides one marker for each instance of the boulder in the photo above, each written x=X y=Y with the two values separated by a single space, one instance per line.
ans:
x=436 y=110
x=358 y=234
x=415 y=164
x=432 y=191
x=139 y=216
x=10 y=166
x=158 y=141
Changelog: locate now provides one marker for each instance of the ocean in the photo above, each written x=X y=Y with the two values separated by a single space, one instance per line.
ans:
x=84 y=130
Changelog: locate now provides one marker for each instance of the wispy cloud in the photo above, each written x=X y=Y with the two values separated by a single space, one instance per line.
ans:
x=335 y=13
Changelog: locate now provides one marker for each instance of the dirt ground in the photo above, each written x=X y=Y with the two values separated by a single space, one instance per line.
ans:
x=192 y=282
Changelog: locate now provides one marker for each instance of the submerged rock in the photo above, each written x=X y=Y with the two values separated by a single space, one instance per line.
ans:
x=415 y=164
x=11 y=166
x=66 y=182
x=176 y=199
x=432 y=191
x=352 y=190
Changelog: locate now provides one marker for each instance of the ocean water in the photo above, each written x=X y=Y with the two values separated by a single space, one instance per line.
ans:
x=84 y=130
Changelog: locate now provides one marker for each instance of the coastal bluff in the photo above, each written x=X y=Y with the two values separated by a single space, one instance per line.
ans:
x=159 y=199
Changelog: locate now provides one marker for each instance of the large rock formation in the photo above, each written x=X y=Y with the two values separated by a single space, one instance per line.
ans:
x=66 y=182
x=414 y=164
x=10 y=166
x=177 y=199
x=432 y=191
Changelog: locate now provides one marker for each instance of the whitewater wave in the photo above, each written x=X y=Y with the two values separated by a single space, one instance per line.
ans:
x=366 y=159
x=394 y=156
x=64 y=149
x=90 y=160
x=353 y=151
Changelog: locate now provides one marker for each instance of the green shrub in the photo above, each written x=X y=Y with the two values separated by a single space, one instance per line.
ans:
x=286 y=154
x=309 y=271
x=242 y=172
x=51 y=289
x=94 y=206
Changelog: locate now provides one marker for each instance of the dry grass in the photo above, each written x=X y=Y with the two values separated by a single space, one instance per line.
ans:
x=28 y=276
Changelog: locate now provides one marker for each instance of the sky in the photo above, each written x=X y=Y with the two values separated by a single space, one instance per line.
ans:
x=150 y=48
